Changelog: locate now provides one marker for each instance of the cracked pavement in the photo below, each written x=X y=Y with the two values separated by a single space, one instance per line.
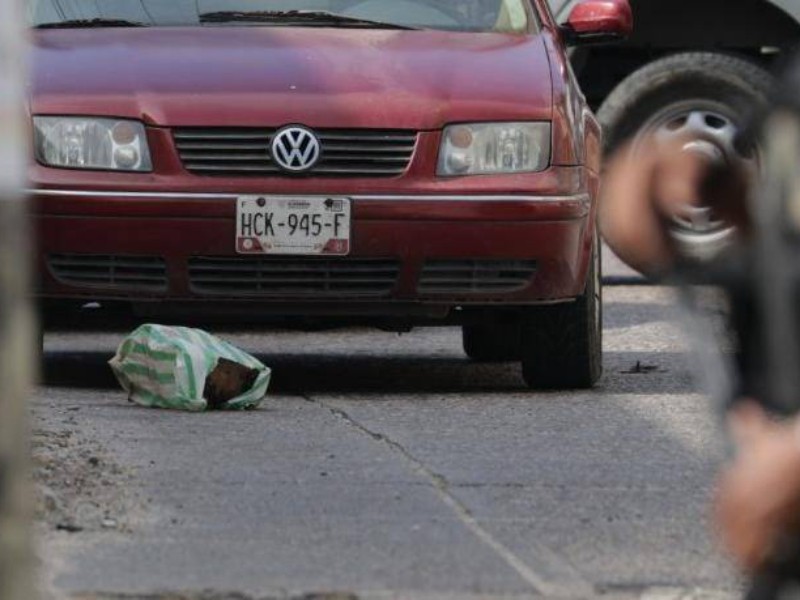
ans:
x=386 y=466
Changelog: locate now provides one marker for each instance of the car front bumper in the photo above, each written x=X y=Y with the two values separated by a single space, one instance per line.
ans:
x=439 y=250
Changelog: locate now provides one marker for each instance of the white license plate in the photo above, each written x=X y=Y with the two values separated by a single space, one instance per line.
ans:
x=289 y=225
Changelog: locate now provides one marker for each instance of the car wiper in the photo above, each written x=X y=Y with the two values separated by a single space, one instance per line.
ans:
x=295 y=17
x=79 y=23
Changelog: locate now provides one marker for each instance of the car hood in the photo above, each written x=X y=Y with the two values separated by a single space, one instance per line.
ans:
x=246 y=76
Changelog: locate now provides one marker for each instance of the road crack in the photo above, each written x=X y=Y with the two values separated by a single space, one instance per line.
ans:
x=551 y=576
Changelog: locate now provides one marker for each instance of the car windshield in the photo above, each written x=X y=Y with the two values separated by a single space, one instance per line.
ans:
x=507 y=16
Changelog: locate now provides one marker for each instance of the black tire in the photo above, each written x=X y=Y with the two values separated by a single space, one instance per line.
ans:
x=492 y=341
x=562 y=344
x=739 y=86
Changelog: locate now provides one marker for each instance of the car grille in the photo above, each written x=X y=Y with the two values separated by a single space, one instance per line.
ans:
x=246 y=152
x=475 y=276
x=293 y=277
x=148 y=273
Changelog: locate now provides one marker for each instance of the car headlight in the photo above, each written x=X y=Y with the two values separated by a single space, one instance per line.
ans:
x=89 y=143
x=491 y=148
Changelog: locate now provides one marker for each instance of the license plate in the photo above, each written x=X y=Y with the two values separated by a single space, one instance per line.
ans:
x=281 y=225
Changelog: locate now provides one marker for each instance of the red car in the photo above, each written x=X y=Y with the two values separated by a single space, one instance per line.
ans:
x=394 y=162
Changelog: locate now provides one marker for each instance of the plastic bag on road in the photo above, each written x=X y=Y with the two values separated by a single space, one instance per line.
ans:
x=188 y=369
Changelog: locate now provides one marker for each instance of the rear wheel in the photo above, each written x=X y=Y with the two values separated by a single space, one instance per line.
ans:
x=562 y=343
x=494 y=340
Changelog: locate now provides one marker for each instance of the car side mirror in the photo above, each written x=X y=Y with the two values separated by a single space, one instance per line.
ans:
x=598 y=22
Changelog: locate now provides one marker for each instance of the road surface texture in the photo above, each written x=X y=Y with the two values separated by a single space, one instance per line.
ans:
x=386 y=466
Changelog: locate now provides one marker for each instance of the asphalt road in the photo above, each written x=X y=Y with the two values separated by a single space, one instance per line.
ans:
x=387 y=466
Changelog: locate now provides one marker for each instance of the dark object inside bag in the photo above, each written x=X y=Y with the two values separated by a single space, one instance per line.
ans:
x=227 y=381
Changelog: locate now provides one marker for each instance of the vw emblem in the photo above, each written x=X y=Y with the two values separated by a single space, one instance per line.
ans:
x=295 y=149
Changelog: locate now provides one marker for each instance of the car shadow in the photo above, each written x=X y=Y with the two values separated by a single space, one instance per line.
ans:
x=77 y=370
x=319 y=373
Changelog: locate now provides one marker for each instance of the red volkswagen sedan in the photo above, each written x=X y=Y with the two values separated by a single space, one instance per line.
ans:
x=397 y=162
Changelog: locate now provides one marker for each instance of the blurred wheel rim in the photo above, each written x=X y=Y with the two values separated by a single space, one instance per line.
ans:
x=711 y=129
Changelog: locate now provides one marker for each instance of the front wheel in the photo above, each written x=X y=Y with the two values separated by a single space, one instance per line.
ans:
x=562 y=343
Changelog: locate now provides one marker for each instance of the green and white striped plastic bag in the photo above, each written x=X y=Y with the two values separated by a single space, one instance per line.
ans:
x=166 y=367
